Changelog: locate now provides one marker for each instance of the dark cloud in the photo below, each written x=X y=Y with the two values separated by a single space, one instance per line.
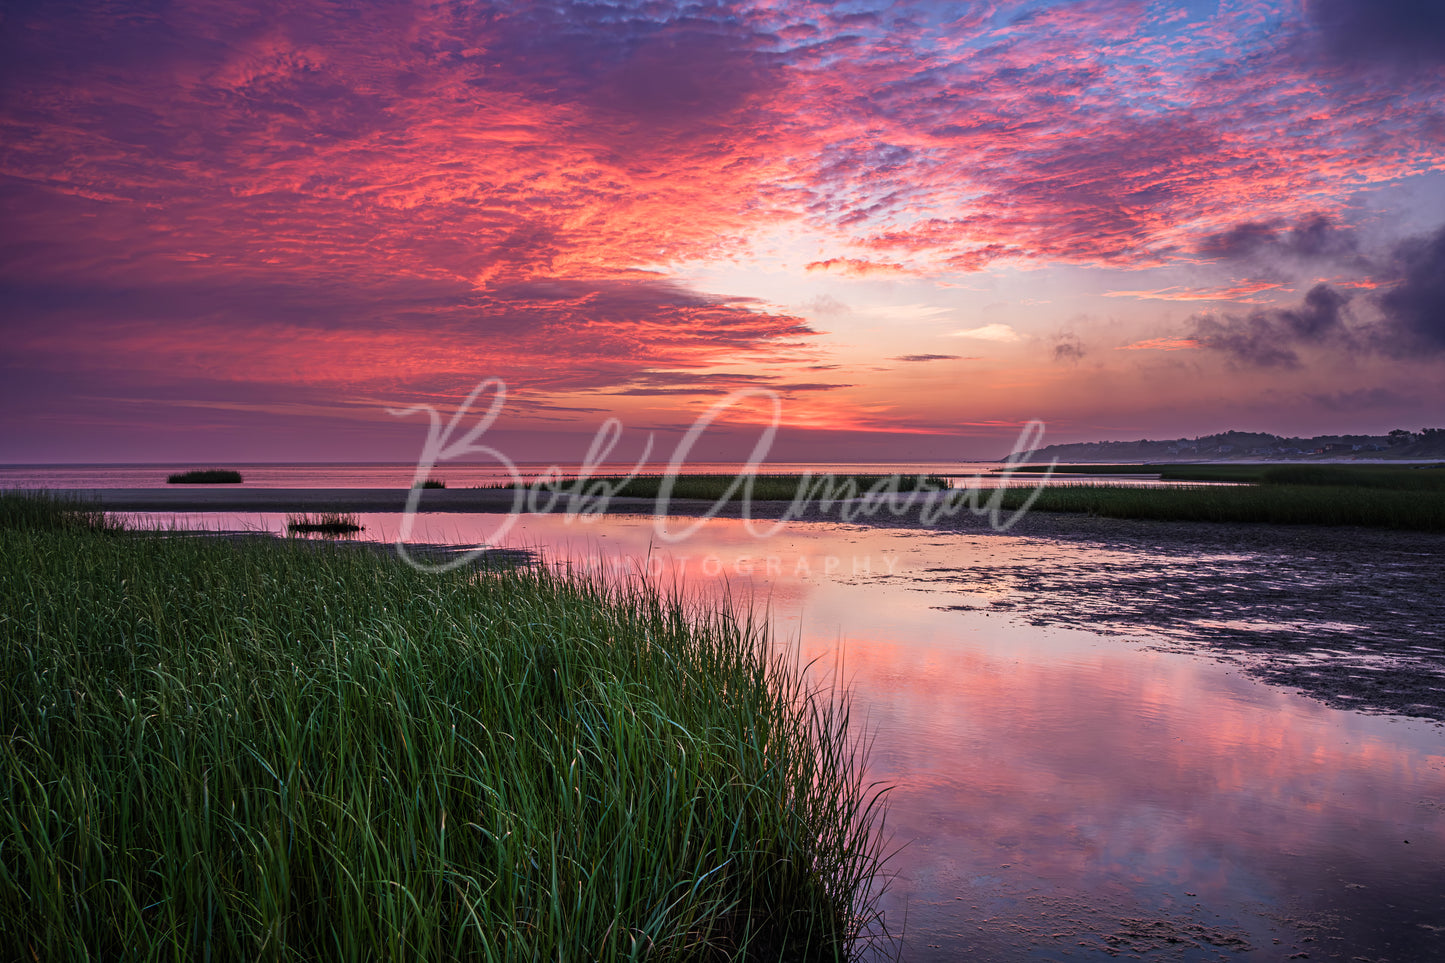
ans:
x=1397 y=32
x=1068 y=349
x=1364 y=399
x=1414 y=306
x=1315 y=238
x=668 y=72
x=1410 y=299
x=928 y=357
x=1319 y=318
x=1269 y=338
x=688 y=77
x=364 y=304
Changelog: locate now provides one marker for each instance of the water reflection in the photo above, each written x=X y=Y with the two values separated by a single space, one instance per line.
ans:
x=1065 y=794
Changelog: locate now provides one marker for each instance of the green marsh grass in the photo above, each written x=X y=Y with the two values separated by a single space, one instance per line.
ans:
x=1275 y=503
x=47 y=512
x=209 y=476
x=256 y=750
x=1398 y=477
x=1404 y=477
x=1243 y=474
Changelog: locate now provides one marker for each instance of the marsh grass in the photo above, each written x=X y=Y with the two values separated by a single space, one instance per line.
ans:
x=40 y=511
x=763 y=487
x=431 y=483
x=1404 y=477
x=324 y=523
x=1399 y=478
x=209 y=476
x=253 y=750
x=1283 y=504
x=1245 y=474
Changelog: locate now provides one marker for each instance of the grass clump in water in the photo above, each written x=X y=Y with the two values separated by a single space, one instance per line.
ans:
x=242 y=750
x=431 y=483
x=324 y=523
x=208 y=476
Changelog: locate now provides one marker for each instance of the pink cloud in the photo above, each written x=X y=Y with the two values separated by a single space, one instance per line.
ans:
x=1161 y=344
x=854 y=267
x=1238 y=292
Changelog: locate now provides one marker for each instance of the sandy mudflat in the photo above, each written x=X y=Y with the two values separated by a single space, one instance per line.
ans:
x=1348 y=616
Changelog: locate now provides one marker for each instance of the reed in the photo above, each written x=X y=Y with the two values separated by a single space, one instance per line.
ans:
x=253 y=750
x=39 y=511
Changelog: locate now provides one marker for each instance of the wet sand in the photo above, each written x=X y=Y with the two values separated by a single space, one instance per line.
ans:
x=1349 y=616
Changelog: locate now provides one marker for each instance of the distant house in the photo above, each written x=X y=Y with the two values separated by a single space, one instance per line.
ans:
x=1224 y=449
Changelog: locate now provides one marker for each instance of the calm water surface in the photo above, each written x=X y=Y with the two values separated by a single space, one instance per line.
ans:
x=978 y=474
x=1060 y=794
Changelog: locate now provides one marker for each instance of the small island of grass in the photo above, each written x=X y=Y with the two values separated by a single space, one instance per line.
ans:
x=431 y=483
x=206 y=476
x=324 y=523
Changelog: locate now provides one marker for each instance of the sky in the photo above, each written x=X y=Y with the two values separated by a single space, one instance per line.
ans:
x=248 y=232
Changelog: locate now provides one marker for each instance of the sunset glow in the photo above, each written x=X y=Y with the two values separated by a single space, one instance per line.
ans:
x=244 y=231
